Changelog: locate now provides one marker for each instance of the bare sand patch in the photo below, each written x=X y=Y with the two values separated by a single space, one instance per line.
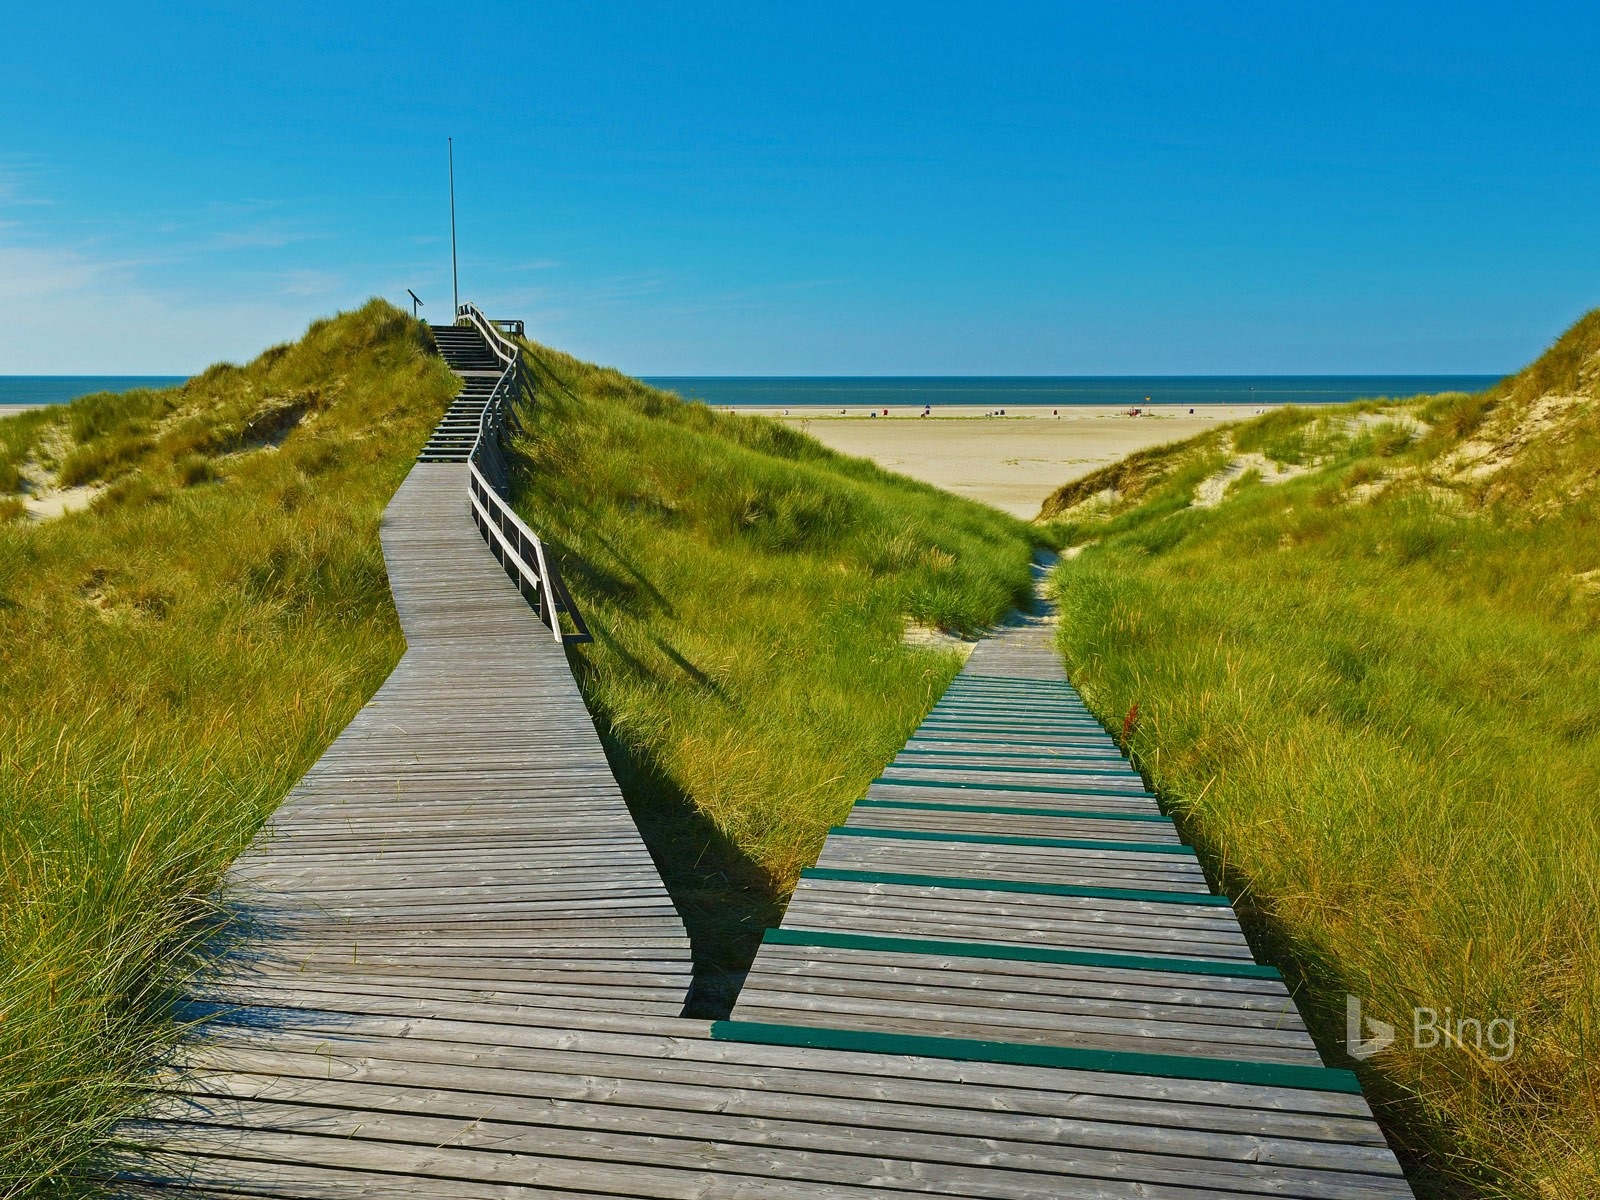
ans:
x=42 y=495
x=929 y=637
x=1012 y=462
x=1494 y=449
x=1211 y=491
x=47 y=506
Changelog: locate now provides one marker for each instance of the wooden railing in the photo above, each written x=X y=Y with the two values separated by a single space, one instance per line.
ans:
x=516 y=547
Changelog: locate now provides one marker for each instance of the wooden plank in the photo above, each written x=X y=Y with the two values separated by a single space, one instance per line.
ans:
x=989 y=883
x=1265 y=1074
x=1174 y=964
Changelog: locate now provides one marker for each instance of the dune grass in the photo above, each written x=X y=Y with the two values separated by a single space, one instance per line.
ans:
x=172 y=660
x=748 y=590
x=1369 y=694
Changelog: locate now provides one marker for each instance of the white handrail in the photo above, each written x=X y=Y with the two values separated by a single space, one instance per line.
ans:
x=508 y=536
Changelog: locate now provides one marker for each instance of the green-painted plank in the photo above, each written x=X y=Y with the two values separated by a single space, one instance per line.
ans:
x=1009 y=770
x=1029 y=732
x=1014 y=787
x=1098 y=744
x=1015 y=811
x=955 y=695
x=888 y=943
x=1119 y=1062
x=1037 y=733
x=1064 y=699
x=1141 y=895
x=1026 y=755
x=1007 y=839
x=993 y=683
x=1016 y=704
x=1033 y=703
x=1097 y=747
x=1022 y=722
x=1065 y=703
x=961 y=695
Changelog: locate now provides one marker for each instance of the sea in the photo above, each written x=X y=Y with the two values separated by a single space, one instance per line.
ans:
x=997 y=392
x=882 y=391
x=58 y=389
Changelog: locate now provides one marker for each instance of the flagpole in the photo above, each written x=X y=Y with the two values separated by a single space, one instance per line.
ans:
x=455 y=286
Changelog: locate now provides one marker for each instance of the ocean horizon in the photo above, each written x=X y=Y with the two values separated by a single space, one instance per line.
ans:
x=889 y=391
x=59 y=389
x=1026 y=391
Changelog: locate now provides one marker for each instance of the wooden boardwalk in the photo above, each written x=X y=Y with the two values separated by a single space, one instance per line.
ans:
x=460 y=975
x=1029 y=1014
x=463 y=838
x=1008 y=892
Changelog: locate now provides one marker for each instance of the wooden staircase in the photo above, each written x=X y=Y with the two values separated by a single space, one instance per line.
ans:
x=462 y=347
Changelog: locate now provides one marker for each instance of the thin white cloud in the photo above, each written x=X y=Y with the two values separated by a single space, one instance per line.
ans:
x=623 y=287
x=66 y=312
x=310 y=283
x=258 y=237
x=31 y=273
x=183 y=298
x=16 y=178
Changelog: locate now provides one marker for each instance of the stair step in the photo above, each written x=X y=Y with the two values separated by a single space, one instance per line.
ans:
x=469 y=357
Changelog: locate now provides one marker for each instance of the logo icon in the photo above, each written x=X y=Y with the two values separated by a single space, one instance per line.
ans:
x=1361 y=1048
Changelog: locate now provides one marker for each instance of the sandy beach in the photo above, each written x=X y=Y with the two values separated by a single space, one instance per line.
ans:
x=11 y=410
x=1012 y=462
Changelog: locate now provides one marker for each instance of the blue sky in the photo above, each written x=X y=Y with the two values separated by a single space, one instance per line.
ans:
x=810 y=189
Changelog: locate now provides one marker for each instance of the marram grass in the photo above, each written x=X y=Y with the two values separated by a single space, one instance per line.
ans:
x=171 y=661
x=1369 y=693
